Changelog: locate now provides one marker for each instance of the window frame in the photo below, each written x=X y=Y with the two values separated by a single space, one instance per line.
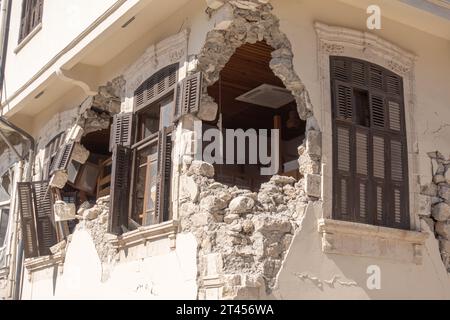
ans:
x=27 y=24
x=389 y=135
x=142 y=143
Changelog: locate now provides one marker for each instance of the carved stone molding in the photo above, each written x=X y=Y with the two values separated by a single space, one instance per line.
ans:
x=146 y=234
x=356 y=239
x=155 y=57
x=334 y=40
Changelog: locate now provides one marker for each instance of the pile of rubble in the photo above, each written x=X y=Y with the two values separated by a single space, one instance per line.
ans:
x=248 y=232
x=436 y=204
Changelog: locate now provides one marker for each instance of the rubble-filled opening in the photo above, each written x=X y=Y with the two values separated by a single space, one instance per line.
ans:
x=88 y=177
x=250 y=96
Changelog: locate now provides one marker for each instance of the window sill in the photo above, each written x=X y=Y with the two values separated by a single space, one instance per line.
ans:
x=145 y=234
x=356 y=239
x=41 y=263
x=28 y=38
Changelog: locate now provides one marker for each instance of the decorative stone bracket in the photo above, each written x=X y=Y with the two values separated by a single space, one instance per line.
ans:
x=356 y=239
x=145 y=234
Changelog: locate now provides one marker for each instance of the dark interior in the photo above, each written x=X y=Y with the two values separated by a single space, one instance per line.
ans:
x=248 y=69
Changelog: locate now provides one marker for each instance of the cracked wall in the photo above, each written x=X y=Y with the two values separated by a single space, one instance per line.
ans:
x=243 y=236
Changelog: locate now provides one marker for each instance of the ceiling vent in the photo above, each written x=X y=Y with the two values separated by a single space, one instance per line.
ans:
x=268 y=96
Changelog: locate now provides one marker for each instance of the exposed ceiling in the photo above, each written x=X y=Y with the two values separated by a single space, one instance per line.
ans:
x=247 y=69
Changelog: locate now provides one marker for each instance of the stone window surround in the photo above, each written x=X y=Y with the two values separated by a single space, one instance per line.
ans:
x=28 y=38
x=340 y=41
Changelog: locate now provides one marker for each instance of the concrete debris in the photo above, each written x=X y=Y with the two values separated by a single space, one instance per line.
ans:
x=59 y=179
x=201 y=168
x=241 y=205
x=80 y=154
x=64 y=211
x=208 y=109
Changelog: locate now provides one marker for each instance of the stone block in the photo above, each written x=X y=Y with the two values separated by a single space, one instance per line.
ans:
x=242 y=205
x=313 y=185
x=201 y=168
x=80 y=154
x=208 y=109
x=314 y=144
x=59 y=179
x=443 y=229
x=424 y=205
x=212 y=204
x=189 y=189
x=64 y=211
x=441 y=212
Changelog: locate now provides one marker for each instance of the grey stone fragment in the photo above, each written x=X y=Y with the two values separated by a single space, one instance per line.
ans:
x=241 y=205
x=59 y=179
x=441 y=212
x=201 y=168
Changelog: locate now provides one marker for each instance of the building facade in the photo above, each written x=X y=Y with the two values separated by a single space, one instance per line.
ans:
x=118 y=181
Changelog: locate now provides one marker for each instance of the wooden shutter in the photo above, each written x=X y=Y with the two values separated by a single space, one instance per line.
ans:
x=344 y=104
x=370 y=159
x=157 y=86
x=26 y=208
x=191 y=93
x=120 y=187
x=162 y=206
x=121 y=130
x=45 y=224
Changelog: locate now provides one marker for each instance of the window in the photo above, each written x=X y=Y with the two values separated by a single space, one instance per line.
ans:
x=4 y=218
x=31 y=17
x=142 y=149
x=51 y=152
x=369 y=144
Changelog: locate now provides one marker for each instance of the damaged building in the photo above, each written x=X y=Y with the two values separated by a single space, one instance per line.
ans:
x=106 y=192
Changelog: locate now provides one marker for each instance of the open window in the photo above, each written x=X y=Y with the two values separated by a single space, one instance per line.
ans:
x=142 y=149
x=250 y=96
x=369 y=144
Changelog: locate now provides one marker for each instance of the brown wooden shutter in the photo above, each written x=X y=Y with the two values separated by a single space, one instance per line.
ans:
x=120 y=188
x=26 y=208
x=191 y=93
x=162 y=206
x=344 y=104
x=121 y=130
x=157 y=86
x=45 y=224
x=62 y=159
x=370 y=157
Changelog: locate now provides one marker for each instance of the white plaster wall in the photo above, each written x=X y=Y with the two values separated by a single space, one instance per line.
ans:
x=308 y=273
x=147 y=272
